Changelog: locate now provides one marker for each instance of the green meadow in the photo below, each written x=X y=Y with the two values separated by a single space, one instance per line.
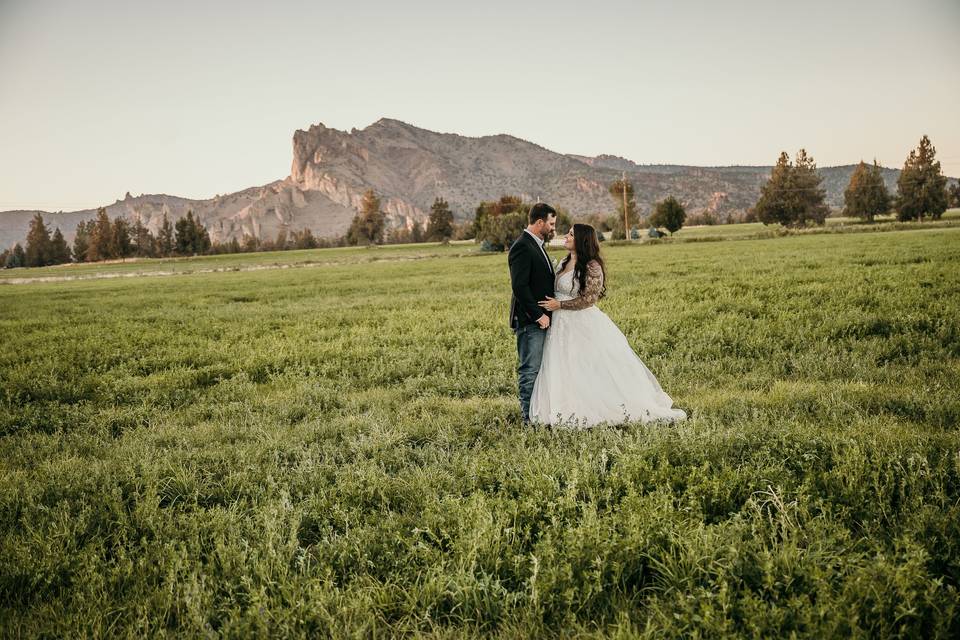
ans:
x=329 y=445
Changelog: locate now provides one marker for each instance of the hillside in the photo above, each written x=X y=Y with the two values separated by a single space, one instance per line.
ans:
x=409 y=166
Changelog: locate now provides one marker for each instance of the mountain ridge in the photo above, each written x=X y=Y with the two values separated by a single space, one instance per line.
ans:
x=408 y=166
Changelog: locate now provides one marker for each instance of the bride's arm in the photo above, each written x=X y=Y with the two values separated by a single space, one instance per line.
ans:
x=590 y=293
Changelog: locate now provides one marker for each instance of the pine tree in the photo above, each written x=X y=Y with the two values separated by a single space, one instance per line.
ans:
x=866 y=195
x=122 y=245
x=367 y=226
x=772 y=207
x=303 y=239
x=417 y=232
x=101 y=238
x=809 y=197
x=669 y=214
x=143 y=240
x=280 y=242
x=200 y=236
x=16 y=258
x=38 y=243
x=440 y=225
x=81 y=240
x=792 y=196
x=185 y=230
x=59 y=251
x=165 y=241
x=921 y=187
x=633 y=218
x=954 y=193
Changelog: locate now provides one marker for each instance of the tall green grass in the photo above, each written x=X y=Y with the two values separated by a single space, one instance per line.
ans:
x=336 y=451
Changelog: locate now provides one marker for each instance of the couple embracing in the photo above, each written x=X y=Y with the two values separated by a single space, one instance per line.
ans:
x=576 y=367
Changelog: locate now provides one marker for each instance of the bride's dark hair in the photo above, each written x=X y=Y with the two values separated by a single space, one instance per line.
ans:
x=587 y=246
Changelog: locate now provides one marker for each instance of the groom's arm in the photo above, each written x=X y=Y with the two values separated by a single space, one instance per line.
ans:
x=521 y=262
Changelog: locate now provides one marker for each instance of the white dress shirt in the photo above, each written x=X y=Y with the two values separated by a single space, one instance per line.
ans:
x=541 y=243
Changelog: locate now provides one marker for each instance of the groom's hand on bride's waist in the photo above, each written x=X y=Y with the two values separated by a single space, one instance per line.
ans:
x=543 y=321
x=549 y=304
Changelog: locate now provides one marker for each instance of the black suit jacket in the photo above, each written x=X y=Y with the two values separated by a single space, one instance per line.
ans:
x=531 y=278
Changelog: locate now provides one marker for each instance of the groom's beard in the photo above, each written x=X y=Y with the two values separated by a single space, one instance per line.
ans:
x=548 y=236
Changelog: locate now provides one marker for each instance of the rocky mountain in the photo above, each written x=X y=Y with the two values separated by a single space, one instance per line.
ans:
x=257 y=211
x=408 y=167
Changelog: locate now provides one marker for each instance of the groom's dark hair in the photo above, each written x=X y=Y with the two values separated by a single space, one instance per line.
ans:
x=541 y=211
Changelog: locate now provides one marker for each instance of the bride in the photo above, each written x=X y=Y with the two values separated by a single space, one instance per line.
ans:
x=590 y=374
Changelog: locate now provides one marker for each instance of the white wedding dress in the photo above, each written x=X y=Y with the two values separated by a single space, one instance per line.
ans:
x=590 y=375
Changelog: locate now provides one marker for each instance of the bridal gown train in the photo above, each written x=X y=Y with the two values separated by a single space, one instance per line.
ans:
x=590 y=375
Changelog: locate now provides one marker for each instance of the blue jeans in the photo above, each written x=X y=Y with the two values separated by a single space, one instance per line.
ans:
x=530 y=339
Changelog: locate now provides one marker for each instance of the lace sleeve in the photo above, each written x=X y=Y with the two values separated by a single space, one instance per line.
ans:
x=590 y=293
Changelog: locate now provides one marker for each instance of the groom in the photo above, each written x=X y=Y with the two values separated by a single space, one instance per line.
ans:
x=531 y=278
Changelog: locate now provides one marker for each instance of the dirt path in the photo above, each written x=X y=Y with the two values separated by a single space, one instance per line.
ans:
x=258 y=267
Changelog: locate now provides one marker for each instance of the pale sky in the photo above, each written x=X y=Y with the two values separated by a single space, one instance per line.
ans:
x=193 y=99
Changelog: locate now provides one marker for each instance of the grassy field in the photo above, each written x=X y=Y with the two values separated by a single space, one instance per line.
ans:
x=832 y=225
x=236 y=261
x=336 y=450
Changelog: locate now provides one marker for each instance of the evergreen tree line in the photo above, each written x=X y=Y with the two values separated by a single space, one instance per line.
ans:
x=369 y=225
x=42 y=248
x=105 y=239
x=793 y=196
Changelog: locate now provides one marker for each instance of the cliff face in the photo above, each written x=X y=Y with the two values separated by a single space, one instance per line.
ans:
x=408 y=167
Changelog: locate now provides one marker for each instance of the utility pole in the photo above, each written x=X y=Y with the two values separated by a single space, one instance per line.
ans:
x=626 y=227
